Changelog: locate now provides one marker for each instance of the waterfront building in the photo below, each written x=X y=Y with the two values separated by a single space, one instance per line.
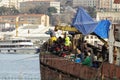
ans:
x=27 y=19
x=4 y=26
x=112 y=16
x=25 y=6
x=103 y=5
x=30 y=26
x=108 y=5
x=10 y=3
x=16 y=3
x=85 y=3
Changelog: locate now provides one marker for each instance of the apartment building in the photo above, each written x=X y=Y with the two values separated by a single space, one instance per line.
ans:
x=85 y=3
x=112 y=16
x=105 y=4
x=16 y=3
x=10 y=3
x=116 y=5
x=25 y=6
x=108 y=5
x=10 y=21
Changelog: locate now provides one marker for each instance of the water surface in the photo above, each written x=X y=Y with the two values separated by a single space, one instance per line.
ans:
x=19 y=67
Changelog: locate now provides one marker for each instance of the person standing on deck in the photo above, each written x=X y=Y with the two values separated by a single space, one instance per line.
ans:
x=51 y=41
x=105 y=52
x=52 y=38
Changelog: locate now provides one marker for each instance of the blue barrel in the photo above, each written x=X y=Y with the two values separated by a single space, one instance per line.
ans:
x=77 y=60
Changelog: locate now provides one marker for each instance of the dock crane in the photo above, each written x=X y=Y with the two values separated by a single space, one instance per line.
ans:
x=17 y=20
x=111 y=41
x=73 y=29
x=18 y=23
x=75 y=39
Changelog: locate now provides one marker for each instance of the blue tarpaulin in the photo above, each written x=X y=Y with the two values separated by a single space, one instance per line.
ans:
x=102 y=28
x=86 y=25
x=83 y=22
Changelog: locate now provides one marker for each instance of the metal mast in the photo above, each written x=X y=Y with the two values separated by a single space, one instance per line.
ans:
x=17 y=20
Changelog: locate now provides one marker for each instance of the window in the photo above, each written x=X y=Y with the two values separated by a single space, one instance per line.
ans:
x=87 y=37
x=91 y=37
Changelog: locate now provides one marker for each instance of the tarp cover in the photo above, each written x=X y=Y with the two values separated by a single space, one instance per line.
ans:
x=102 y=28
x=83 y=22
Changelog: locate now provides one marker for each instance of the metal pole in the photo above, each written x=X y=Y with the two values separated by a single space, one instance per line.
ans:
x=17 y=19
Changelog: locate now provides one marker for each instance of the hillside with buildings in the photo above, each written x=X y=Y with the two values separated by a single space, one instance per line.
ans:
x=65 y=11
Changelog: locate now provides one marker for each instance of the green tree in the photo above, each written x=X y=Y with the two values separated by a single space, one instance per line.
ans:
x=38 y=10
x=3 y=10
x=91 y=11
x=32 y=11
x=8 y=11
x=51 y=10
x=68 y=3
x=14 y=11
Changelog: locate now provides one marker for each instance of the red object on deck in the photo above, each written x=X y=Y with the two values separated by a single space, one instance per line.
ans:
x=117 y=1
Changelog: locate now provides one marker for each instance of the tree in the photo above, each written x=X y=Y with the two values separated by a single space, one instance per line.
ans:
x=8 y=11
x=91 y=11
x=68 y=3
x=3 y=10
x=32 y=10
x=51 y=10
x=14 y=11
x=38 y=10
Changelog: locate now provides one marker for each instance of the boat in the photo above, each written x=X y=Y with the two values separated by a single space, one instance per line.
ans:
x=107 y=70
x=18 y=45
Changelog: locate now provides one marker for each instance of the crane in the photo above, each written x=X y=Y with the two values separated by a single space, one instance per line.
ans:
x=73 y=29
x=112 y=42
x=17 y=20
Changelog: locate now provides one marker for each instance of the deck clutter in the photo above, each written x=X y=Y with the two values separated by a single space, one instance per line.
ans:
x=75 y=57
x=61 y=58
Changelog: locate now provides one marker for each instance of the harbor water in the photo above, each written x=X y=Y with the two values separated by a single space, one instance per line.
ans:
x=19 y=67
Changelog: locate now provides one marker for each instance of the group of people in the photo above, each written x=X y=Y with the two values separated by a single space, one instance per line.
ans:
x=86 y=56
x=83 y=54
x=59 y=46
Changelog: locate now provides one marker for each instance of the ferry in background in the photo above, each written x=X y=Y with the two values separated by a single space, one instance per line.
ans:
x=18 y=45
